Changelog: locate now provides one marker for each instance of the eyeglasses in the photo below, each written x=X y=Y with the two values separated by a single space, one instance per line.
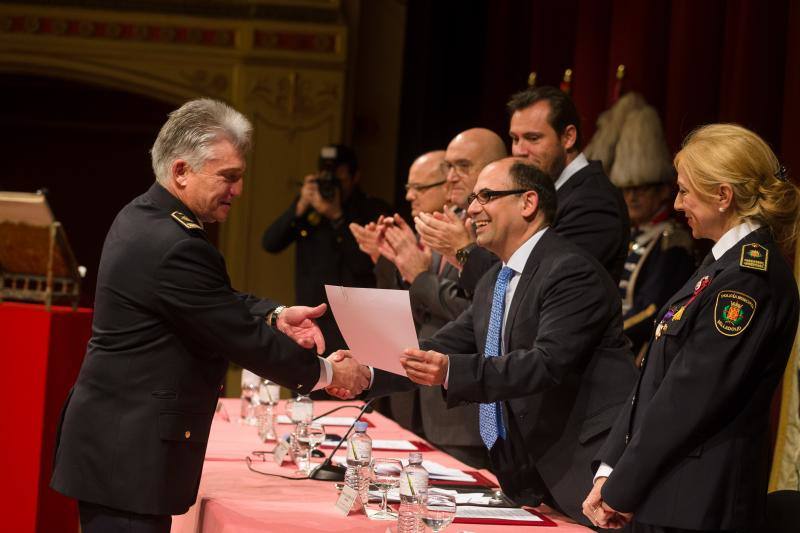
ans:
x=484 y=196
x=460 y=167
x=420 y=187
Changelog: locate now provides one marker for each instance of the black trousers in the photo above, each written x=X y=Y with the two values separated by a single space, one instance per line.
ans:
x=100 y=519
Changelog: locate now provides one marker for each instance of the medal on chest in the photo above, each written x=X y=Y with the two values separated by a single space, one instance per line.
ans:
x=675 y=313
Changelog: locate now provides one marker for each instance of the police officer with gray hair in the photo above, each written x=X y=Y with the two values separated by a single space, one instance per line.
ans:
x=134 y=429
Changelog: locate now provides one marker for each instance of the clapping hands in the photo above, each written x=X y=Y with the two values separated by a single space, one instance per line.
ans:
x=400 y=246
x=444 y=233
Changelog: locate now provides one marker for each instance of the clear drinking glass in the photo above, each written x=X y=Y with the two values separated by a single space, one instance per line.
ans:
x=299 y=442
x=300 y=409
x=266 y=422
x=268 y=393
x=312 y=437
x=385 y=475
x=249 y=402
x=437 y=510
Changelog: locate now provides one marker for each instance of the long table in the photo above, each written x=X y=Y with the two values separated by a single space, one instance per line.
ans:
x=234 y=499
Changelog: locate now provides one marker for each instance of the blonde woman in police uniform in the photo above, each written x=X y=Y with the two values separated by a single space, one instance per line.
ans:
x=691 y=450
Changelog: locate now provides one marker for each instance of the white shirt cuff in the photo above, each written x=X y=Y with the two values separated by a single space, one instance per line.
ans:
x=325 y=373
x=447 y=376
x=603 y=470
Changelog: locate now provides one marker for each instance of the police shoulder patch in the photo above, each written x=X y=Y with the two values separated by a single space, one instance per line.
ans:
x=733 y=312
x=185 y=221
x=754 y=257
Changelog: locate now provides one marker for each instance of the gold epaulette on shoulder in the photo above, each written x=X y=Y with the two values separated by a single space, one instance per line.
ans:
x=185 y=221
x=754 y=257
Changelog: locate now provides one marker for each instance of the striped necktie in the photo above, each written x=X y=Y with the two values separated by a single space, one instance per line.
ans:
x=491 y=414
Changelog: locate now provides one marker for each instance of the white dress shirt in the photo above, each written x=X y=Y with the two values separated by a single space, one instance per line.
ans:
x=570 y=170
x=732 y=236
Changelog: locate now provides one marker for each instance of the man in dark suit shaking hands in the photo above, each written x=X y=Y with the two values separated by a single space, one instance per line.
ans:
x=540 y=348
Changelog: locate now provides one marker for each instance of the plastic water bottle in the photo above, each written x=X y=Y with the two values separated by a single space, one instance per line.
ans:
x=359 y=455
x=413 y=487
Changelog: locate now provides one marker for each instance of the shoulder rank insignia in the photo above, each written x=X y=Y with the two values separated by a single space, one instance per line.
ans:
x=754 y=257
x=185 y=221
x=733 y=312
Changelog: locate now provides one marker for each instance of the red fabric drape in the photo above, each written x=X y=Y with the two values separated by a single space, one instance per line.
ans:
x=696 y=62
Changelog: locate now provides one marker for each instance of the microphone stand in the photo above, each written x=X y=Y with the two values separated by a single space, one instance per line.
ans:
x=326 y=413
x=327 y=471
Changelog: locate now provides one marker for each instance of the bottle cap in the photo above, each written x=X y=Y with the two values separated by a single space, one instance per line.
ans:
x=414 y=457
x=361 y=426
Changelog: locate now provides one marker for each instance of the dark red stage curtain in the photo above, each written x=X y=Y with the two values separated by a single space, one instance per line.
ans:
x=696 y=62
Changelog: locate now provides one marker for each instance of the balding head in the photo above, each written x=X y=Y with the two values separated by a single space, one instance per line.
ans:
x=466 y=156
x=427 y=188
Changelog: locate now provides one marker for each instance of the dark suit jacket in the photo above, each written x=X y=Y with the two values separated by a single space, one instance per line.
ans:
x=567 y=369
x=591 y=213
x=135 y=426
x=698 y=422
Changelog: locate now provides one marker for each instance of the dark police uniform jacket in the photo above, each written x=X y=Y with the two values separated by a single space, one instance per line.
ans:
x=691 y=448
x=660 y=260
x=591 y=213
x=566 y=371
x=135 y=426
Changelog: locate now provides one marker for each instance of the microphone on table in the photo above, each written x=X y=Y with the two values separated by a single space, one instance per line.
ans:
x=327 y=471
x=368 y=410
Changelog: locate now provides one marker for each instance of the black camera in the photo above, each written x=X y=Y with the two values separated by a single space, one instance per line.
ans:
x=327 y=183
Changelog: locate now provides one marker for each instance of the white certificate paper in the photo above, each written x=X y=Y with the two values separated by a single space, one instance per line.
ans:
x=376 y=324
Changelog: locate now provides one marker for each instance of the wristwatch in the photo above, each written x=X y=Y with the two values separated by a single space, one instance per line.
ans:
x=273 y=318
x=463 y=253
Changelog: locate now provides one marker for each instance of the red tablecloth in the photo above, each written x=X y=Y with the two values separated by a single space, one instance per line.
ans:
x=234 y=499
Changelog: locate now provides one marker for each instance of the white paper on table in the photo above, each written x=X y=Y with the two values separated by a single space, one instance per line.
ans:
x=496 y=513
x=325 y=420
x=444 y=473
x=435 y=470
x=464 y=498
x=376 y=324
x=381 y=444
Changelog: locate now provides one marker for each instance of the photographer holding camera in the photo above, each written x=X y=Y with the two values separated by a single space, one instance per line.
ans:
x=317 y=221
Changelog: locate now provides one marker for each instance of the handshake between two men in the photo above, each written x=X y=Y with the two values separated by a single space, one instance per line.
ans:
x=422 y=367
x=297 y=322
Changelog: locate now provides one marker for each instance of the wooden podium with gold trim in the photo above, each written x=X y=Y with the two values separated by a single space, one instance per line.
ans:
x=42 y=345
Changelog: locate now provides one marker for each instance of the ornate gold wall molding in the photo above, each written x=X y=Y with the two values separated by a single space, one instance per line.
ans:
x=294 y=101
x=287 y=76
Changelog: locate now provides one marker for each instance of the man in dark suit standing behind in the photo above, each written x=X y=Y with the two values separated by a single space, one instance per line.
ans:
x=134 y=429
x=545 y=129
x=549 y=364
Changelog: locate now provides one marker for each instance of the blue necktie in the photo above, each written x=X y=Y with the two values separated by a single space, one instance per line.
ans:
x=491 y=414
